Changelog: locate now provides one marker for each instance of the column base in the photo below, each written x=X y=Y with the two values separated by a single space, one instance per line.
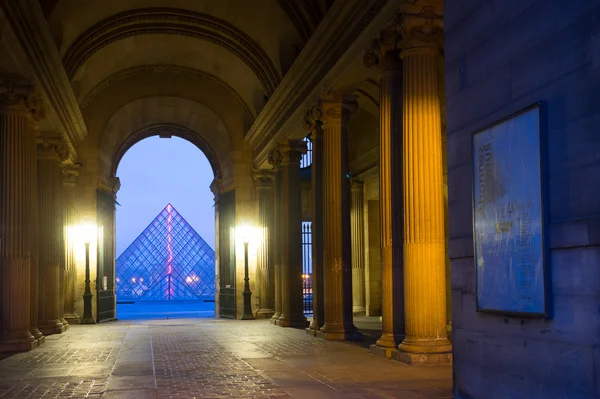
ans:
x=37 y=334
x=52 y=327
x=72 y=318
x=389 y=341
x=19 y=344
x=292 y=323
x=382 y=351
x=423 y=359
x=275 y=318
x=41 y=340
x=265 y=314
x=348 y=334
x=64 y=323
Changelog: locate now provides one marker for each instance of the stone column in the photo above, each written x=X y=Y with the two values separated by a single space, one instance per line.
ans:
x=357 y=214
x=264 y=199
x=275 y=161
x=17 y=149
x=50 y=231
x=33 y=209
x=426 y=339
x=292 y=306
x=314 y=123
x=337 y=260
x=70 y=173
x=385 y=57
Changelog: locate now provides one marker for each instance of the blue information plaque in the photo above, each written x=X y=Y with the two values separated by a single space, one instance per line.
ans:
x=508 y=215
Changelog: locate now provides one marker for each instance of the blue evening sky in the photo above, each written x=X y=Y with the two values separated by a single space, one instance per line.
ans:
x=155 y=172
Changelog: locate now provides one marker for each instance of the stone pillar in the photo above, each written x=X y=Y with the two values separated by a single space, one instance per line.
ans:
x=385 y=57
x=35 y=267
x=426 y=339
x=357 y=227
x=50 y=231
x=275 y=161
x=17 y=149
x=70 y=173
x=292 y=306
x=264 y=199
x=314 y=123
x=337 y=259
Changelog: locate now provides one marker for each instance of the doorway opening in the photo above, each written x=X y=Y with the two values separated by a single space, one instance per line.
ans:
x=165 y=232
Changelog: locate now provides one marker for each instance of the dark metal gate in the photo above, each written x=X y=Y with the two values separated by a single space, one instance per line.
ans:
x=105 y=276
x=227 y=255
x=307 y=288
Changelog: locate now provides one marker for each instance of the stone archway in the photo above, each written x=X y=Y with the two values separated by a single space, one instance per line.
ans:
x=166 y=131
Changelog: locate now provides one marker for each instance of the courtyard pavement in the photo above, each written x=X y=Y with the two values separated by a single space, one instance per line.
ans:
x=209 y=358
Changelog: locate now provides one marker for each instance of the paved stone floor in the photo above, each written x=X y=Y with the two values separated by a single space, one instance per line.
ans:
x=209 y=358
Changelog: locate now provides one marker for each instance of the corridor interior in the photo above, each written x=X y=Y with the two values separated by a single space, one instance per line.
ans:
x=209 y=358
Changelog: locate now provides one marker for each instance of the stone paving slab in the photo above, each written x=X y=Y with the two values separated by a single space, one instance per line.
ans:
x=209 y=358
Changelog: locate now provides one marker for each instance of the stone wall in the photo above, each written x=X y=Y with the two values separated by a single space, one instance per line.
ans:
x=501 y=56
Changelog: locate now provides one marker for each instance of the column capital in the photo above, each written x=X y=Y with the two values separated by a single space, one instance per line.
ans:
x=274 y=158
x=422 y=29
x=383 y=51
x=291 y=151
x=262 y=177
x=70 y=174
x=216 y=186
x=52 y=148
x=313 y=119
x=337 y=108
x=110 y=184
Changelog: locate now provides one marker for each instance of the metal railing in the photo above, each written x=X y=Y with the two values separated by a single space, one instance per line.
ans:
x=307 y=291
x=306 y=159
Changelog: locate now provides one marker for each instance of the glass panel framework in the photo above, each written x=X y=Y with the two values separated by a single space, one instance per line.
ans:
x=167 y=261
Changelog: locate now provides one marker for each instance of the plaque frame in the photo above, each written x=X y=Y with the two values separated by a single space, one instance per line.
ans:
x=543 y=187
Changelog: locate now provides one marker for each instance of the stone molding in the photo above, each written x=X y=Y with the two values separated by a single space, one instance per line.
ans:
x=53 y=147
x=337 y=109
x=110 y=184
x=343 y=35
x=263 y=178
x=175 y=22
x=313 y=119
x=291 y=151
x=161 y=68
x=274 y=158
x=216 y=187
x=70 y=173
x=29 y=41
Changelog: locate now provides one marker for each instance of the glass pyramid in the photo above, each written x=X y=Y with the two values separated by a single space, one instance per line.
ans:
x=169 y=261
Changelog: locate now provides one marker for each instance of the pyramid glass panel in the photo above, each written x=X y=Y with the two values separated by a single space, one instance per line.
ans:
x=168 y=261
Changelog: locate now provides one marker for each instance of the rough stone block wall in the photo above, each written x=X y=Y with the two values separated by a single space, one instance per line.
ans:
x=501 y=56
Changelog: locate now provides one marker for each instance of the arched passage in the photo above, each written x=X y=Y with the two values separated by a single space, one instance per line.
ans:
x=165 y=259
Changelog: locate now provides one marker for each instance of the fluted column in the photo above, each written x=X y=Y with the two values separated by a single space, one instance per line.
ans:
x=426 y=339
x=70 y=173
x=264 y=199
x=357 y=214
x=17 y=150
x=50 y=232
x=292 y=305
x=385 y=57
x=314 y=123
x=337 y=260
x=275 y=161
x=33 y=209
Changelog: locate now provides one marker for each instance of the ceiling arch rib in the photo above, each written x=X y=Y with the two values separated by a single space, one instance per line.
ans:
x=177 y=22
x=166 y=68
